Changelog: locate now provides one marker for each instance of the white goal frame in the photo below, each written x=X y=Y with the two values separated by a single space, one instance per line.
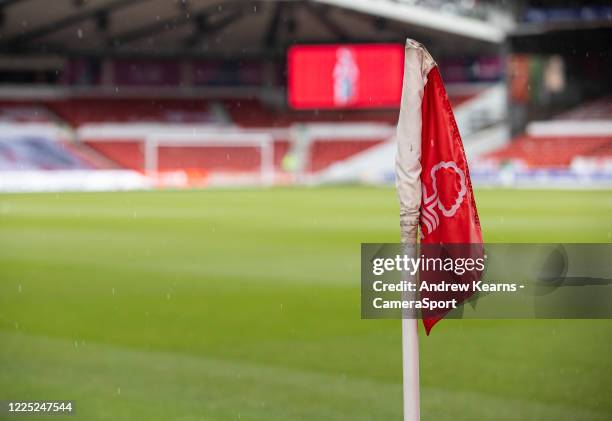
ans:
x=226 y=139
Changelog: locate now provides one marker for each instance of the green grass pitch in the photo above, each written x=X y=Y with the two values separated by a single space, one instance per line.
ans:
x=244 y=305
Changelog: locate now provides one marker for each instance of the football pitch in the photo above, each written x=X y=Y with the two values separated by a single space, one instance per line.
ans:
x=244 y=305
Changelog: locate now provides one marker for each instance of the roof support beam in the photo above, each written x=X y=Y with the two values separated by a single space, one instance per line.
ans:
x=321 y=13
x=273 y=29
x=424 y=17
x=5 y=3
x=212 y=28
x=68 y=21
x=174 y=22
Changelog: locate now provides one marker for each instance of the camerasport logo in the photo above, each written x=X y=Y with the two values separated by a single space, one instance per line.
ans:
x=431 y=204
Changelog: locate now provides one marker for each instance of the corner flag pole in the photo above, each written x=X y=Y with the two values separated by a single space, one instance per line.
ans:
x=417 y=63
x=410 y=362
x=410 y=349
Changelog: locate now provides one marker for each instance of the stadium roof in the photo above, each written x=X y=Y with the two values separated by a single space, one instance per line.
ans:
x=227 y=28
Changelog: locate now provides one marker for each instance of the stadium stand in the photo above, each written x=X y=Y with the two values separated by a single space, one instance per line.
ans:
x=602 y=151
x=215 y=158
x=248 y=112
x=130 y=154
x=124 y=154
x=37 y=153
x=127 y=151
x=551 y=152
x=599 y=109
x=78 y=111
x=23 y=112
x=252 y=113
x=324 y=153
x=584 y=131
x=124 y=148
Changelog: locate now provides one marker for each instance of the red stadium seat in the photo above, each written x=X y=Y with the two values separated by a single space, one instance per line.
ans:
x=324 y=153
x=552 y=152
x=101 y=110
x=127 y=154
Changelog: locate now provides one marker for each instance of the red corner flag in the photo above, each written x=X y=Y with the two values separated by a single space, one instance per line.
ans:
x=430 y=153
x=448 y=209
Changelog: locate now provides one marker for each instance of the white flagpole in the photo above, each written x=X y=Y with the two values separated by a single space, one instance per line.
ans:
x=410 y=348
x=417 y=64
x=410 y=360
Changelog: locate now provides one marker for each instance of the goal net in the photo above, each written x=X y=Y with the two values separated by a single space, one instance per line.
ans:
x=211 y=158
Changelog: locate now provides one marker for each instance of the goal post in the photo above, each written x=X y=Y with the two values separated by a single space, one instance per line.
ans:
x=263 y=142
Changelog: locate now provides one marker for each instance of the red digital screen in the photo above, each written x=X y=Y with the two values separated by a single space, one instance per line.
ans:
x=345 y=76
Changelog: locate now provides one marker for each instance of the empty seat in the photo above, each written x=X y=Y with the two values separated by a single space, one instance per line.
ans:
x=550 y=152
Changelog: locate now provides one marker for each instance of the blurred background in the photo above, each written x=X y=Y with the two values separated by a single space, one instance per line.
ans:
x=185 y=184
x=99 y=95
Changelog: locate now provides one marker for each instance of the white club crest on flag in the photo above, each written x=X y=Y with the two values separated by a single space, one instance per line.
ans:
x=429 y=215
